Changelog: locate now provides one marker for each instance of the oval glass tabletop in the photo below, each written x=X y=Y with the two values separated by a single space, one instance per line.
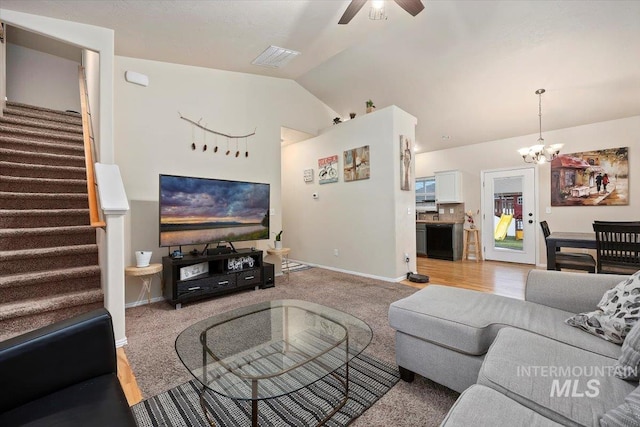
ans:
x=270 y=349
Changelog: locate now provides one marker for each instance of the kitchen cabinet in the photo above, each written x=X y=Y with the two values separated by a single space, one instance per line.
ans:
x=421 y=239
x=449 y=187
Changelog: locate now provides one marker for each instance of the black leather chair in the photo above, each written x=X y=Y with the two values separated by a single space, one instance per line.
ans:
x=63 y=375
x=618 y=246
x=570 y=260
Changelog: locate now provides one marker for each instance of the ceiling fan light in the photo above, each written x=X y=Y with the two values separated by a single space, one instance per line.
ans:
x=377 y=4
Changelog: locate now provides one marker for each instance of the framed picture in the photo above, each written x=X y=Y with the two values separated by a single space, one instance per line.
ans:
x=406 y=156
x=356 y=164
x=591 y=178
x=328 y=169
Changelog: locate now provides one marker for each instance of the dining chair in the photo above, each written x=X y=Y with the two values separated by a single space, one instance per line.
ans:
x=570 y=260
x=618 y=246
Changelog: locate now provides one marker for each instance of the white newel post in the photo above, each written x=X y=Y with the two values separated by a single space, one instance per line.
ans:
x=114 y=204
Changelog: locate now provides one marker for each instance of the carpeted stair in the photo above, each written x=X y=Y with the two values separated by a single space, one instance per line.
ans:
x=48 y=254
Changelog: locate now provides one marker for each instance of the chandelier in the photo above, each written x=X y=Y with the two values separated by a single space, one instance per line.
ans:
x=540 y=153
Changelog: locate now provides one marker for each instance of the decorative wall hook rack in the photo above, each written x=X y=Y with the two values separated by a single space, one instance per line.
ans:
x=193 y=122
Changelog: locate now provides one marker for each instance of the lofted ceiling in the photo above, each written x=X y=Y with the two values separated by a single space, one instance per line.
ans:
x=468 y=70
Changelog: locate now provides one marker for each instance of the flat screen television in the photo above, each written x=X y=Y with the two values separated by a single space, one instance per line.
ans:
x=202 y=210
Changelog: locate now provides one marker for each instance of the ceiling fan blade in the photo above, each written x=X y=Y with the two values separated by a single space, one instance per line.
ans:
x=414 y=7
x=353 y=8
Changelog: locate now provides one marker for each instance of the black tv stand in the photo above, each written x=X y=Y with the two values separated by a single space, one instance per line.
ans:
x=227 y=273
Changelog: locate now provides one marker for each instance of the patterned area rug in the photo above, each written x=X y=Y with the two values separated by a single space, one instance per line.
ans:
x=369 y=379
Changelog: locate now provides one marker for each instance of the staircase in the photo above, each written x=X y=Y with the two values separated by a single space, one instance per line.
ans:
x=48 y=254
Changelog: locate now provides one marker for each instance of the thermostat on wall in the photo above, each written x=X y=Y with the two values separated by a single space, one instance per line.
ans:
x=308 y=175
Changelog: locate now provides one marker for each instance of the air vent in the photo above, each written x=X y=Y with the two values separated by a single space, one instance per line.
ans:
x=275 y=57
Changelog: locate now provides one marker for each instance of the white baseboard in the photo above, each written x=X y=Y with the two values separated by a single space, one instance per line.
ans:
x=142 y=302
x=121 y=342
x=355 y=273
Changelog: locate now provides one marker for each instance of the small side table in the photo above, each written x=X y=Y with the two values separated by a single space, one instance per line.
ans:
x=145 y=274
x=471 y=237
x=284 y=255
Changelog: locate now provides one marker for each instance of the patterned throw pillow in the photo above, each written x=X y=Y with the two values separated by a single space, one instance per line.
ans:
x=619 y=310
x=627 y=414
x=628 y=365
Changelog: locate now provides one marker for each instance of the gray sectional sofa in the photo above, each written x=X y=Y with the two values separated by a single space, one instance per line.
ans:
x=516 y=363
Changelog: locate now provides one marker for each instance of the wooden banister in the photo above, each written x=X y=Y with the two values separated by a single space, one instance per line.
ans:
x=87 y=134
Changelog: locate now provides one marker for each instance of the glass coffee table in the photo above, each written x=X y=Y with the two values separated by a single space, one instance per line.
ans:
x=271 y=349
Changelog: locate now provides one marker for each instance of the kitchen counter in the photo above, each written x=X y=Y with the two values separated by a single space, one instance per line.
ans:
x=437 y=221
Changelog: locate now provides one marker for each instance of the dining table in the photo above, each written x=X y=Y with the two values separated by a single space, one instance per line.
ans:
x=567 y=239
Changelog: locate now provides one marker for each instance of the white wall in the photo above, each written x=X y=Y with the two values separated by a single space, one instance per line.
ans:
x=366 y=220
x=151 y=139
x=42 y=79
x=471 y=160
x=91 y=64
x=3 y=72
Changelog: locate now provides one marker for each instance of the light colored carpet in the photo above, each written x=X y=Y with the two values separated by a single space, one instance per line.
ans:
x=152 y=330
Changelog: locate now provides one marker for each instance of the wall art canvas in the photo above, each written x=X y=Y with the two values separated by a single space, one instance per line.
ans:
x=591 y=178
x=406 y=154
x=356 y=164
x=328 y=169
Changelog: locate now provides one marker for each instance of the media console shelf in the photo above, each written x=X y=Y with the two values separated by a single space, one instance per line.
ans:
x=226 y=273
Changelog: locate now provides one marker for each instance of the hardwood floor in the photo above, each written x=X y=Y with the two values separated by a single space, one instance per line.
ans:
x=499 y=278
x=127 y=378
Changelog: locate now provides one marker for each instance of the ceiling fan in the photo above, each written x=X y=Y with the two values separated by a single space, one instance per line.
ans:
x=412 y=6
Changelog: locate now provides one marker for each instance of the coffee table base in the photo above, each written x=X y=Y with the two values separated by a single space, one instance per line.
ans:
x=254 y=402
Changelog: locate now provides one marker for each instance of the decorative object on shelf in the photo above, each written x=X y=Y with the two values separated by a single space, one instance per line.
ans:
x=352 y=116
x=469 y=216
x=143 y=258
x=278 y=242
x=337 y=120
x=356 y=164
x=215 y=150
x=540 y=153
x=591 y=178
x=370 y=106
x=194 y=271
x=406 y=154
x=235 y=264
x=328 y=169
x=308 y=175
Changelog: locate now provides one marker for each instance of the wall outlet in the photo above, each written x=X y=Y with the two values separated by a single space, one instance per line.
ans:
x=548 y=210
x=451 y=210
x=272 y=211
x=406 y=258
x=336 y=252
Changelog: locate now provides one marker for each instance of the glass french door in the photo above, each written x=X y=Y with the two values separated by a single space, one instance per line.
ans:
x=508 y=215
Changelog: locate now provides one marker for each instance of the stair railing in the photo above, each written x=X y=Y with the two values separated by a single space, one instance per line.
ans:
x=89 y=152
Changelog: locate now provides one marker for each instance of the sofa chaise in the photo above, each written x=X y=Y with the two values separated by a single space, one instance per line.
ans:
x=515 y=362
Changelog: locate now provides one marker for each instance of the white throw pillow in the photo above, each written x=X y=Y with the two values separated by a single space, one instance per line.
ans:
x=619 y=310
